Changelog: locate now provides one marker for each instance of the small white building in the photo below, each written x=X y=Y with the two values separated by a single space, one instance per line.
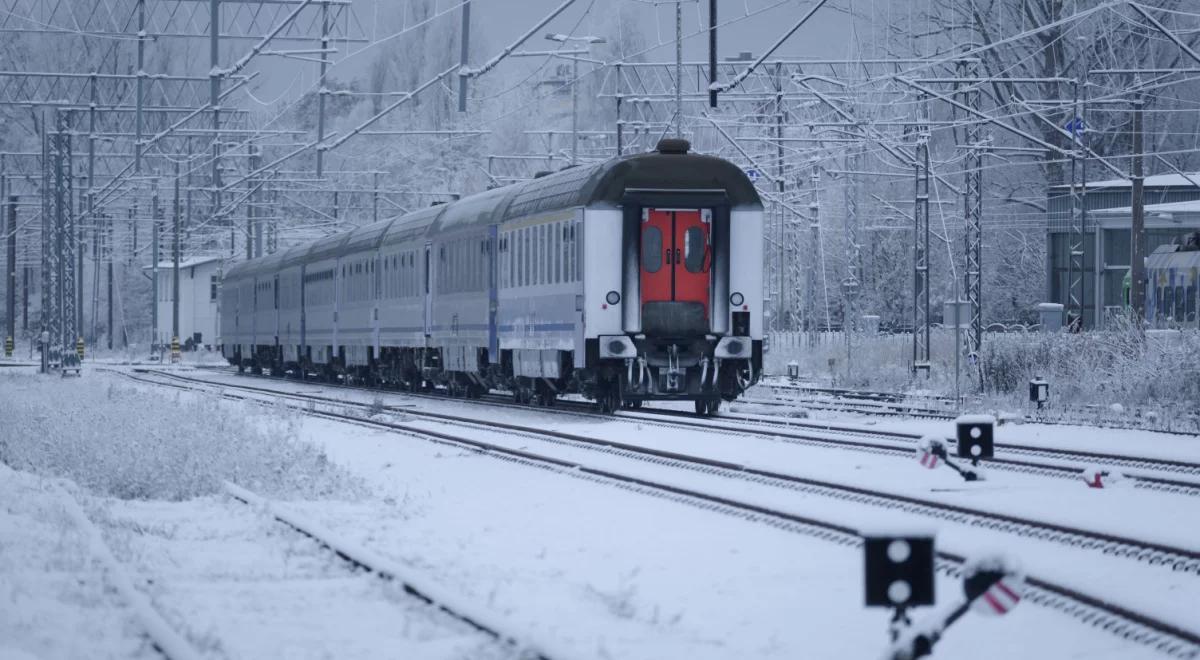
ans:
x=199 y=281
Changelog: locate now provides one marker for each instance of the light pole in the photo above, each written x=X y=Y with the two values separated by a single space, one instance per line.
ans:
x=589 y=40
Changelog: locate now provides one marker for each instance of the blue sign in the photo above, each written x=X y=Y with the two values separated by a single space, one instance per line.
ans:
x=1075 y=127
x=752 y=174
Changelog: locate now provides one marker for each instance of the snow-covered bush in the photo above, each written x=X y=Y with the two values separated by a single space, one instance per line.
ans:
x=121 y=441
x=1115 y=366
x=1119 y=365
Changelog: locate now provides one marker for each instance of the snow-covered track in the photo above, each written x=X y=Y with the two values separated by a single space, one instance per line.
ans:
x=1065 y=463
x=164 y=638
x=362 y=558
x=896 y=404
x=1177 y=558
x=866 y=440
x=1097 y=611
x=860 y=438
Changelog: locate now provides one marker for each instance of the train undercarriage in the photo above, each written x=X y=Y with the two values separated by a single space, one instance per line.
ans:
x=701 y=371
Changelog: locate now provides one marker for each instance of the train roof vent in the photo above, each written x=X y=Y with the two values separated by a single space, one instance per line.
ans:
x=673 y=146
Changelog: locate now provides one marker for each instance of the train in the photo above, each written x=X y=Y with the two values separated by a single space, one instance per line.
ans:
x=1171 y=284
x=636 y=279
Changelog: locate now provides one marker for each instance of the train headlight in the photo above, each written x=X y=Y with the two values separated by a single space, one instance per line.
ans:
x=617 y=346
x=733 y=348
x=736 y=299
x=613 y=297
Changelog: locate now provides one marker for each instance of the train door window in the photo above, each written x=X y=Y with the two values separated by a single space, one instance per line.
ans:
x=1190 y=306
x=1179 y=303
x=695 y=251
x=652 y=251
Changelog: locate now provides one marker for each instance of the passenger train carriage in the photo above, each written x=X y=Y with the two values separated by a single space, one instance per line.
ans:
x=636 y=279
x=1173 y=284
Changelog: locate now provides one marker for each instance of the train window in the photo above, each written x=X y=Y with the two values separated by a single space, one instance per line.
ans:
x=567 y=259
x=1189 y=309
x=557 y=255
x=523 y=259
x=651 y=249
x=547 y=264
x=1179 y=303
x=539 y=254
x=693 y=250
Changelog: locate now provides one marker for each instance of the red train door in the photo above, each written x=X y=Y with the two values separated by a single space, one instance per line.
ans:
x=658 y=250
x=676 y=257
x=692 y=258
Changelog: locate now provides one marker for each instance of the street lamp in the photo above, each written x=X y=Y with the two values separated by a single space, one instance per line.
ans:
x=589 y=40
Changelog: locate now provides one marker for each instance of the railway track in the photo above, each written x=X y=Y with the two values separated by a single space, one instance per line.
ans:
x=1013 y=456
x=363 y=559
x=1063 y=463
x=174 y=645
x=161 y=635
x=892 y=404
x=1124 y=622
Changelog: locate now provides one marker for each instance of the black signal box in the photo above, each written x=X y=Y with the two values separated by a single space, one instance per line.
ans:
x=899 y=571
x=975 y=437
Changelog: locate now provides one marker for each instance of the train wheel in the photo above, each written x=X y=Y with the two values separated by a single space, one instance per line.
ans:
x=701 y=407
x=636 y=404
x=713 y=407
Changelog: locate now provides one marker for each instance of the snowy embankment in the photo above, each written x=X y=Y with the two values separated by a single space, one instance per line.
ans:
x=227 y=579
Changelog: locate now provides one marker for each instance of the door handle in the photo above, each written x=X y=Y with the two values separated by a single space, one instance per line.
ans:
x=676 y=255
x=668 y=256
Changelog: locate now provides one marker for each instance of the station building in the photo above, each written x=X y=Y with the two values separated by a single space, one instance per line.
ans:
x=1172 y=204
x=199 y=284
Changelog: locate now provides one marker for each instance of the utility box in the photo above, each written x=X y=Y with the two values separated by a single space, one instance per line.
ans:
x=870 y=324
x=1039 y=391
x=1050 y=316
x=975 y=436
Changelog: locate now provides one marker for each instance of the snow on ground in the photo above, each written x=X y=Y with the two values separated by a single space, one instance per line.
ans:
x=621 y=574
x=54 y=602
x=582 y=564
x=240 y=584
